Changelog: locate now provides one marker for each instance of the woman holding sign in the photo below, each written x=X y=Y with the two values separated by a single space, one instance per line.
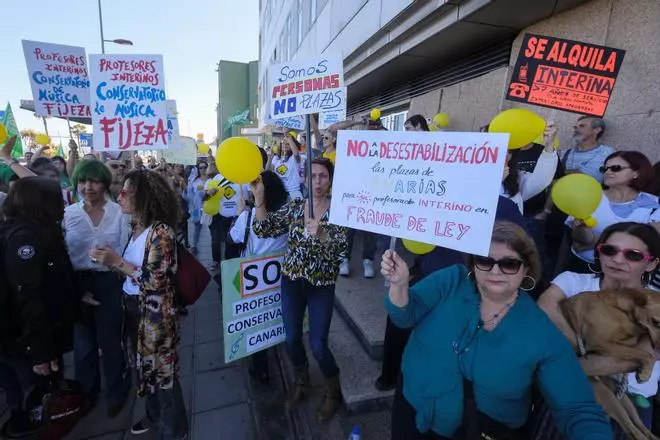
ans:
x=309 y=272
x=478 y=345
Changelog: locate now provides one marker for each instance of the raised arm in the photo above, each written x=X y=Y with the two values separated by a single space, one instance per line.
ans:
x=17 y=168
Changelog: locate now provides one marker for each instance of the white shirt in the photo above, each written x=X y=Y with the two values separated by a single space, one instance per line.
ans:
x=81 y=234
x=255 y=244
x=532 y=184
x=288 y=170
x=605 y=216
x=134 y=254
x=571 y=284
x=229 y=195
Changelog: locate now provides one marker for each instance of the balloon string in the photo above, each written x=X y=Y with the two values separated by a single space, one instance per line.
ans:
x=392 y=246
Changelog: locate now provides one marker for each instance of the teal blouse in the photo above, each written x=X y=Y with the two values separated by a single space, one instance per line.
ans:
x=503 y=364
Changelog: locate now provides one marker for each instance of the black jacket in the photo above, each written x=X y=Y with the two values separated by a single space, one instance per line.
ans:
x=41 y=296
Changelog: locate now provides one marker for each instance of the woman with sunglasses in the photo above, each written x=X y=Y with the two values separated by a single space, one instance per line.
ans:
x=626 y=177
x=149 y=263
x=627 y=254
x=479 y=344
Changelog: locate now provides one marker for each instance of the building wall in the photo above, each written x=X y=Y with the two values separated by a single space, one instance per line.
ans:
x=305 y=28
x=632 y=117
x=234 y=86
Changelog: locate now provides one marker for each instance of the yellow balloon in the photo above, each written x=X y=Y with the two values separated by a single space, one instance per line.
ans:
x=203 y=148
x=375 y=114
x=3 y=133
x=416 y=247
x=441 y=120
x=211 y=205
x=238 y=160
x=522 y=125
x=42 y=139
x=293 y=134
x=200 y=136
x=578 y=195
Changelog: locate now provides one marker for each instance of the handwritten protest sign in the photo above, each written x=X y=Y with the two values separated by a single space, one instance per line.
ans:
x=59 y=79
x=420 y=185
x=128 y=102
x=326 y=119
x=293 y=122
x=185 y=154
x=251 y=303
x=564 y=74
x=304 y=87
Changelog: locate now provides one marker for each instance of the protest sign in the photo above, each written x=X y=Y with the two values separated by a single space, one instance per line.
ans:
x=302 y=87
x=326 y=119
x=251 y=304
x=59 y=79
x=87 y=140
x=185 y=154
x=563 y=74
x=128 y=102
x=293 y=122
x=420 y=185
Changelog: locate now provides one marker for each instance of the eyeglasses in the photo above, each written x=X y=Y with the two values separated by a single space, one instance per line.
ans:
x=508 y=266
x=632 y=255
x=613 y=168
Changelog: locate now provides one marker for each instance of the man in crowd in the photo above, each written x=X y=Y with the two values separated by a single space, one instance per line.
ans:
x=588 y=154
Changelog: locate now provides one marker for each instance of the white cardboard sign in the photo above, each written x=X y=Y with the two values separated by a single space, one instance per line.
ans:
x=434 y=187
x=129 y=109
x=302 y=87
x=59 y=79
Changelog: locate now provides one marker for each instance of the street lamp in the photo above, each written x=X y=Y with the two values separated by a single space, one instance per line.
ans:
x=103 y=41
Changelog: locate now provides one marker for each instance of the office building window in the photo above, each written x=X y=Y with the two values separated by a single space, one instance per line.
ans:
x=395 y=121
x=300 y=25
x=289 y=39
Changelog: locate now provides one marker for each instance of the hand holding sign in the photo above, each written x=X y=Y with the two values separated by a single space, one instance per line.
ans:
x=394 y=269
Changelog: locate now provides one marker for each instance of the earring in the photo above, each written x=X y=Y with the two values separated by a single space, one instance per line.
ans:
x=533 y=282
x=470 y=275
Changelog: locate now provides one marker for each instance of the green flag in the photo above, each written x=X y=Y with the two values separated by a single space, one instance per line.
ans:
x=60 y=150
x=12 y=130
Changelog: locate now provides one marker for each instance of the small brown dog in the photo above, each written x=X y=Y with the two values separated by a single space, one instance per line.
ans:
x=612 y=323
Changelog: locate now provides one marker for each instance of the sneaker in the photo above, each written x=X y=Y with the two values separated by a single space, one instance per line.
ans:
x=344 y=268
x=368 y=268
x=140 y=428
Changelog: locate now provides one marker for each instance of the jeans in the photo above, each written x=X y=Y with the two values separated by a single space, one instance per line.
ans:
x=166 y=414
x=132 y=315
x=395 y=342
x=101 y=327
x=197 y=231
x=297 y=296
x=368 y=244
x=219 y=232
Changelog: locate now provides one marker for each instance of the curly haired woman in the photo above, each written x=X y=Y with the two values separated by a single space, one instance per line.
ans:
x=149 y=262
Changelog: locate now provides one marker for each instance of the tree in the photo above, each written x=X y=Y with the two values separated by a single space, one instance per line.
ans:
x=28 y=137
x=77 y=130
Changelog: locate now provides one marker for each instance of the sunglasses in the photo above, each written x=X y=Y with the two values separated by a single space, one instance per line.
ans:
x=508 y=266
x=613 y=168
x=632 y=255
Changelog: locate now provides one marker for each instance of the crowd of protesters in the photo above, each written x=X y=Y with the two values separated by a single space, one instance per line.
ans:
x=88 y=247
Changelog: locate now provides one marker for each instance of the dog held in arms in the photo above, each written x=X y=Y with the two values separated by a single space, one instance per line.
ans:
x=612 y=324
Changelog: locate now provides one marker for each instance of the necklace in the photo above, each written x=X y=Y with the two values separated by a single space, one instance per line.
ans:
x=490 y=324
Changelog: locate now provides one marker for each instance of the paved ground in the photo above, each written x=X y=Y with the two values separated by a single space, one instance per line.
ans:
x=223 y=402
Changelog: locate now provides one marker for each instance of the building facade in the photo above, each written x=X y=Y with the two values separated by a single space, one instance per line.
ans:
x=455 y=56
x=237 y=97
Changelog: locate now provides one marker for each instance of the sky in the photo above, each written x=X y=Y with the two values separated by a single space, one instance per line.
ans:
x=192 y=36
